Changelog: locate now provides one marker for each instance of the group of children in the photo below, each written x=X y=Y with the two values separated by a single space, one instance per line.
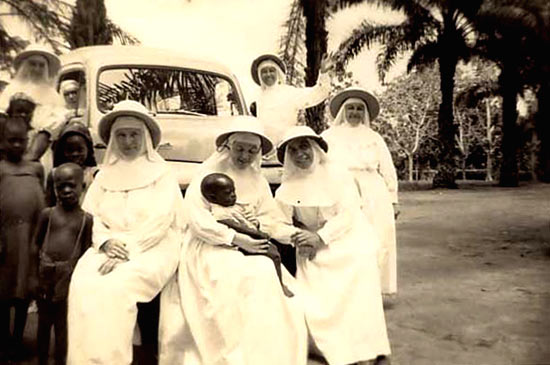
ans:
x=43 y=230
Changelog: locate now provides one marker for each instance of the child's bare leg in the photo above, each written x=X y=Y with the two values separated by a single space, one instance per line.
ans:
x=45 y=321
x=21 y=310
x=273 y=254
x=5 y=332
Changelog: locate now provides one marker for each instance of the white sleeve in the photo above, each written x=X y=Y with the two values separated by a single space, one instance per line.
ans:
x=272 y=221
x=386 y=168
x=100 y=231
x=307 y=97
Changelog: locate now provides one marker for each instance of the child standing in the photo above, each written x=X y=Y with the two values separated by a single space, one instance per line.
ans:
x=21 y=200
x=20 y=106
x=219 y=190
x=63 y=234
x=73 y=145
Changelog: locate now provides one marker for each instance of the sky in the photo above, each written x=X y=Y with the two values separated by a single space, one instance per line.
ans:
x=235 y=32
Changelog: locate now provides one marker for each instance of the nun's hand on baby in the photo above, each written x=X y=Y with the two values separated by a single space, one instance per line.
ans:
x=249 y=244
x=114 y=248
x=251 y=217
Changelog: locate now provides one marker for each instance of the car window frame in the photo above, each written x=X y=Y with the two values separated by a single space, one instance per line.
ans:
x=242 y=109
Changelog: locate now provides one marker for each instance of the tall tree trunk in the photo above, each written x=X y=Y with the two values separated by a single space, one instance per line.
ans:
x=509 y=175
x=410 y=160
x=542 y=120
x=489 y=136
x=446 y=169
x=315 y=13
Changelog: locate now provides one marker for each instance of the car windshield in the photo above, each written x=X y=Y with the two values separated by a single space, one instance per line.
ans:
x=167 y=90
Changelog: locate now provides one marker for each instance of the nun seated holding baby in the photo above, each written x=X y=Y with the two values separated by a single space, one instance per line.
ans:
x=137 y=209
x=227 y=296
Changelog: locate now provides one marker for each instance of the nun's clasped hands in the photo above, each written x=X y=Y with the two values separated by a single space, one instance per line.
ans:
x=307 y=243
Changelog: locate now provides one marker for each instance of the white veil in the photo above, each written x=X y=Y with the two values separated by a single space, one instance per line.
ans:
x=117 y=174
x=312 y=187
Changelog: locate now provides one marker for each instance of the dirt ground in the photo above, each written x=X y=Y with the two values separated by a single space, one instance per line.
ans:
x=474 y=278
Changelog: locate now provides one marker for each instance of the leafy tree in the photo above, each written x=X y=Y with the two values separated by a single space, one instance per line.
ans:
x=408 y=114
x=435 y=31
x=477 y=100
x=50 y=22
x=89 y=25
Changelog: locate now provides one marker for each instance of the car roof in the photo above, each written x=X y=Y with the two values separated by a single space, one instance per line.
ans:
x=100 y=56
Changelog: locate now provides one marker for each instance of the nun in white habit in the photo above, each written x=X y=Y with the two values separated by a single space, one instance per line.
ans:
x=233 y=311
x=35 y=71
x=279 y=103
x=337 y=272
x=137 y=206
x=354 y=145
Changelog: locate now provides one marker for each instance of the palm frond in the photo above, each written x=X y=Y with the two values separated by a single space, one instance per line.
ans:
x=121 y=35
x=365 y=36
x=424 y=56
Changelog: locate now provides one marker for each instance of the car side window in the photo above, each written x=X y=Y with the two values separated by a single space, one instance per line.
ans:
x=174 y=91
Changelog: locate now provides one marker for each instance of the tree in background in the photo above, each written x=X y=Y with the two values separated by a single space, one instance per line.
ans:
x=292 y=45
x=476 y=104
x=512 y=33
x=437 y=31
x=316 y=39
x=409 y=113
x=50 y=22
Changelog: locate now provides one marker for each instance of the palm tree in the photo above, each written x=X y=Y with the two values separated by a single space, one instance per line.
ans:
x=292 y=45
x=435 y=31
x=509 y=35
x=49 y=20
x=316 y=39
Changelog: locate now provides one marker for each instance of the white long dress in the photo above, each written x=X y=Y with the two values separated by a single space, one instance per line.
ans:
x=102 y=308
x=365 y=154
x=278 y=105
x=340 y=286
x=234 y=310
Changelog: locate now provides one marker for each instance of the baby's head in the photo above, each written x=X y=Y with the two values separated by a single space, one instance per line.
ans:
x=219 y=189
x=68 y=183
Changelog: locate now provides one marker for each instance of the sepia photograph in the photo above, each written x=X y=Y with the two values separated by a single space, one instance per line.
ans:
x=274 y=182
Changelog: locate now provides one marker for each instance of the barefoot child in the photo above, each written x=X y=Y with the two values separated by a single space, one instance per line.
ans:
x=21 y=200
x=219 y=190
x=73 y=145
x=63 y=234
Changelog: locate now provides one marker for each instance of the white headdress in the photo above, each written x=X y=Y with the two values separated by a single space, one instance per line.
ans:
x=281 y=78
x=311 y=187
x=341 y=118
x=118 y=174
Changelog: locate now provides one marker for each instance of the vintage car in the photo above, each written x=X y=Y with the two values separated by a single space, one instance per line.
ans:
x=192 y=100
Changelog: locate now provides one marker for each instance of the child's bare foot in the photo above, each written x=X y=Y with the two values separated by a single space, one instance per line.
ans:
x=287 y=291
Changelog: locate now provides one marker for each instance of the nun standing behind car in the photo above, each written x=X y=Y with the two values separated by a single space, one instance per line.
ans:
x=278 y=103
x=354 y=145
x=337 y=273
